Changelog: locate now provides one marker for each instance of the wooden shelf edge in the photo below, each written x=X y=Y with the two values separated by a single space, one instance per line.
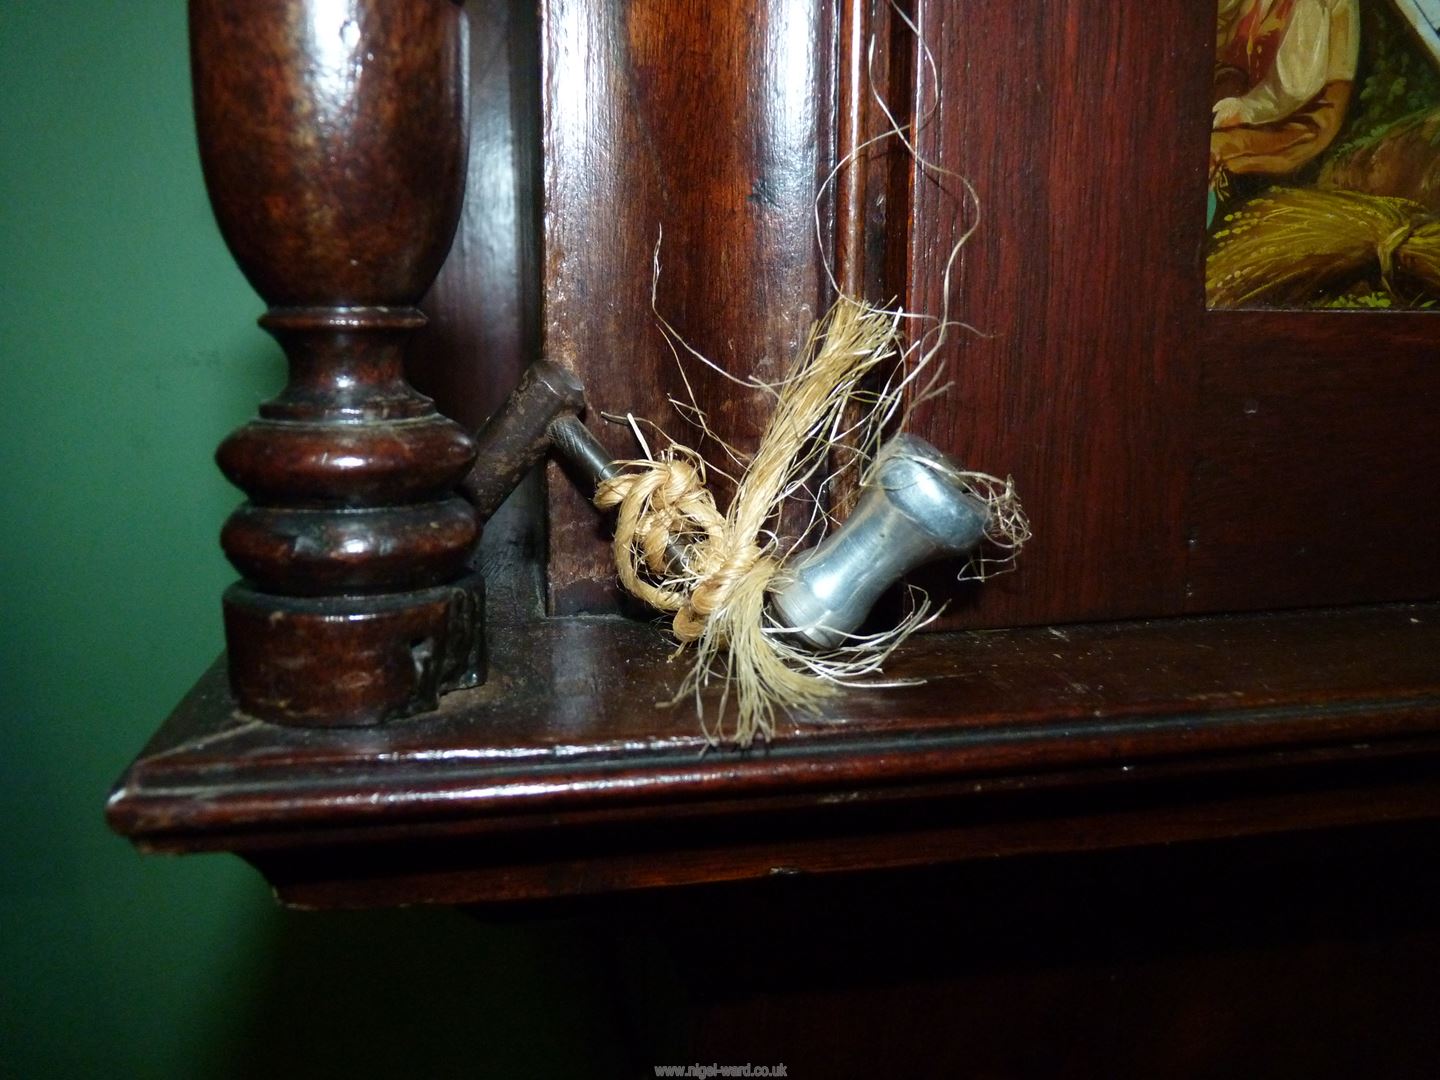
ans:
x=860 y=836
x=1166 y=730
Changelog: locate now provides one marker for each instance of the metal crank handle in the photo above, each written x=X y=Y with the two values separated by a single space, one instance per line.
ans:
x=543 y=410
x=911 y=511
x=541 y=414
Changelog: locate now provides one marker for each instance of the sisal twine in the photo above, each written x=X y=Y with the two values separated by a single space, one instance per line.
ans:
x=712 y=572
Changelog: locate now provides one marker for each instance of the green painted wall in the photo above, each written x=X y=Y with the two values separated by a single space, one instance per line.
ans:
x=129 y=350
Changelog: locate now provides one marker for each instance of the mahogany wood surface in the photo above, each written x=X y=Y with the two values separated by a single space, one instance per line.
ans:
x=1269 y=958
x=1082 y=133
x=1316 y=472
x=1171 y=464
x=483 y=307
x=334 y=139
x=1219 y=829
x=709 y=123
x=560 y=775
x=1173 y=460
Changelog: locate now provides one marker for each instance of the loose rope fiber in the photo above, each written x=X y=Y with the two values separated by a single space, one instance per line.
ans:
x=712 y=572
x=716 y=591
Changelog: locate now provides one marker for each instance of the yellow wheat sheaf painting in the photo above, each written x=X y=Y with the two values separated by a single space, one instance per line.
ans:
x=1325 y=155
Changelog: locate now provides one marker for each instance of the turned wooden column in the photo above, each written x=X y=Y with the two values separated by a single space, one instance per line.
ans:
x=333 y=138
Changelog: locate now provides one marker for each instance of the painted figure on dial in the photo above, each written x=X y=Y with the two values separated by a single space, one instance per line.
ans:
x=1284 y=72
x=1325 y=155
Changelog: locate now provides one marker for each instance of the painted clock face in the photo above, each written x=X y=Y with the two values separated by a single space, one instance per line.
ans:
x=1324 y=165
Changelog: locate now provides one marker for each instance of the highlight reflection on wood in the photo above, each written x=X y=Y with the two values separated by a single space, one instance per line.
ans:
x=1174 y=460
x=334 y=138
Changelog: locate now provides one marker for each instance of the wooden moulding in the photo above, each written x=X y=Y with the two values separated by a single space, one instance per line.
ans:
x=561 y=776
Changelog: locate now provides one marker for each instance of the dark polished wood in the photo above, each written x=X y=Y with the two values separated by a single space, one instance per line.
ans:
x=1313 y=955
x=484 y=306
x=1317 y=471
x=1172 y=459
x=631 y=140
x=334 y=138
x=1219 y=830
x=710 y=123
x=869 y=202
x=561 y=775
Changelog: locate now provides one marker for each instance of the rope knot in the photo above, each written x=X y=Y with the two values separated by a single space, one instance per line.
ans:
x=715 y=586
x=674 y=550
x=672 y=545
x=664 y=508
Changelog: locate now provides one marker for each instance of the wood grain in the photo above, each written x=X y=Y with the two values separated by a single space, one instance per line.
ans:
x=333 y=139
x=1317 y=460
x=484 y=306
x=1251 y=958
x=1172 y=459
x=560 y=775
x=1077 y=125
x=1094 y=376
x=711 y=123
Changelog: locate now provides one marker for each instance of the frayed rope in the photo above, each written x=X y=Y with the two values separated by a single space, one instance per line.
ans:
x=712 y=572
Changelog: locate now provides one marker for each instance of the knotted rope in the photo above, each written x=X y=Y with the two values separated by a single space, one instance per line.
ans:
x=665 y=511
x=674 y=549
x=664 y=502
x=712 y=572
